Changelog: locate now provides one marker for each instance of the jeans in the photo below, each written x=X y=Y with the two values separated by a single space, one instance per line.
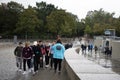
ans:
x=19 y=62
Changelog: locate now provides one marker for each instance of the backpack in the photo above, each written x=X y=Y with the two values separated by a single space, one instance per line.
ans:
x=43 y=51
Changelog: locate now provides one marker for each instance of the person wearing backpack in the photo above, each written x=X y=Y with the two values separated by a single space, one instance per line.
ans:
x=36 y=55
x=58 y=55
x=18 y=55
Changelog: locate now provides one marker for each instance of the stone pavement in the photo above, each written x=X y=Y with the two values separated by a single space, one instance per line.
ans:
x=8 y=70
x=87 y=68
x=103 y=60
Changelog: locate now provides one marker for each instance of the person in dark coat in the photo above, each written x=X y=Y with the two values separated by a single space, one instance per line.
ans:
x=43 y=52
x=95 y=48
x=18 y=55
x=36 y=54
x=47 y=50
x=27 y=55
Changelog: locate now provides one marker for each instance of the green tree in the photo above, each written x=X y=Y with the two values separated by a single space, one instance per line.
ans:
x=99 y=21
x=61 y=22
x=88 y=30
x=9 y=14
x=116 y=25
x=80 y=28
x=43 y=9
x=15 y=7
x=28 y=22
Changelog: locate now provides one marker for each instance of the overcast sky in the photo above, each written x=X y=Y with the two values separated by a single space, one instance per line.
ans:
x=77 y=7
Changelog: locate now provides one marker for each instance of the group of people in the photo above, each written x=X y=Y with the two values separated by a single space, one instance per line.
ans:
x=108 y=51
x=33 y=56
x=97 y=49
x=85 y=47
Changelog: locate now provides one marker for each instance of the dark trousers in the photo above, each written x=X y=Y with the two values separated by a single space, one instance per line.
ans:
x=46 y=59
x=51 y=60
x=57 y=63
x=36 y=62
x=28 y=61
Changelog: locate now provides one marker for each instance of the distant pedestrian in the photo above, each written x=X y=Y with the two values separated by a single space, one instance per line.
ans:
x=18 y=54
x=95 y=48
x=100 y=49
x=110 y=51
x=85 y=48
x=66 y=46
x=82 y=47
x=88 y=47
x=106 y=50
x=91 y=47
x=27 y=55
x=58 y=55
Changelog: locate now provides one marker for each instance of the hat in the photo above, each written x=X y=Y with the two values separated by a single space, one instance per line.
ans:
x=35 y=43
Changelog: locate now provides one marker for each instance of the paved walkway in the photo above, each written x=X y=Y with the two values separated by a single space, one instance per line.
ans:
x=8 y=70
x=87 y=68
x=103 y=60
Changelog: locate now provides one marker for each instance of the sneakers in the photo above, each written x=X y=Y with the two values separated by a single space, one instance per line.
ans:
x=30 y=70
x=24 y=72
x=46 y=66
x=20 y=70
x=35 y=72
x=59 y=72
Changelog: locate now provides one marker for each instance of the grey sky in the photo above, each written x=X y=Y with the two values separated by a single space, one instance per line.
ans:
x=77 y=7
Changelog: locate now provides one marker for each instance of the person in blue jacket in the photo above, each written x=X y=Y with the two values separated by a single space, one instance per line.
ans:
x=58 y=55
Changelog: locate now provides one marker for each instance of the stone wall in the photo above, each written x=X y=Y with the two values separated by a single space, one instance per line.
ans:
x=116 y=50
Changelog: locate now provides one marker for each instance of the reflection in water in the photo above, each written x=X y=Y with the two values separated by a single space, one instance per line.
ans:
x=104 y=60
x=115 y=66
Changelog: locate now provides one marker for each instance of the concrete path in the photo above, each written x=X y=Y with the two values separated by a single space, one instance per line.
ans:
x=87 y=68
x=8 y=70
x=103 y=60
